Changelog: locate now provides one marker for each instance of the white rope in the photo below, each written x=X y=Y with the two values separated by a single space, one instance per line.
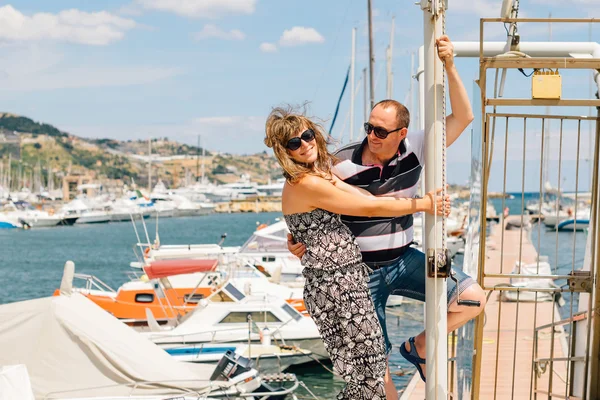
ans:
x=442 y=14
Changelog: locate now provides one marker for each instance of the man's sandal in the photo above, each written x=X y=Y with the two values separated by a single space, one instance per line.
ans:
x=412 y=356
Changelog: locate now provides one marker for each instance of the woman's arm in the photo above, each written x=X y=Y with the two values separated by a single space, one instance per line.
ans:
x=340 y=184
x=321 y=193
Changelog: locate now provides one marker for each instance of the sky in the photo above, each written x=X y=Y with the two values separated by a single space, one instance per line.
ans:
x=139 y=69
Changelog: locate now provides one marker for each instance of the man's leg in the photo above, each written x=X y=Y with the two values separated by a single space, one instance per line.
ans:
x=414 y=261
x=457 y=316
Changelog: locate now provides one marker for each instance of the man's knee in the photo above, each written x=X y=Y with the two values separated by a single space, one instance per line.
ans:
x=473 y=293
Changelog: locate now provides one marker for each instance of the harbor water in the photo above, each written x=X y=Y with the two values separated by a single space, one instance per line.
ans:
x=32 y=261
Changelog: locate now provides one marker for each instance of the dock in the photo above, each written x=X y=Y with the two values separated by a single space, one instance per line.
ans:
x=508 y=344
x=256 y=205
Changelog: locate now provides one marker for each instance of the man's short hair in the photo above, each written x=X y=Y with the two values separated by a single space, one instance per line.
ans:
x=402 y=114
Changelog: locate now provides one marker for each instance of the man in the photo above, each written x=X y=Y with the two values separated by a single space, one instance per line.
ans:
x=388 y=162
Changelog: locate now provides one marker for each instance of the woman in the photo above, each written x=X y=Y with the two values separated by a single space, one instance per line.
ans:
x=335 y=293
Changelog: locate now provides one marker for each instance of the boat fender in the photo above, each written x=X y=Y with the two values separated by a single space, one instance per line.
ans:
x=265 y=337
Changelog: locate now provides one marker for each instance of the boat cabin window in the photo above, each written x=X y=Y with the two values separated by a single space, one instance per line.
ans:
x=234 y=292
x=268 y=259
x=292 y=312
x=144 y=298
x=238 y=317
x=189 y=298
x=227 y=294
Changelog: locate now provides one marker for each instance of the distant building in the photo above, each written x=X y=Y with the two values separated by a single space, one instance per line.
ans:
x=10 y=143
x=76 y=182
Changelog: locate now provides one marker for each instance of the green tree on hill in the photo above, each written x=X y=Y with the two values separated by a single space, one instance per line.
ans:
x=23 y=124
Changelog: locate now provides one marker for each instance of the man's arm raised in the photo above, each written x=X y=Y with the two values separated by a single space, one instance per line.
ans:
x=462 y=114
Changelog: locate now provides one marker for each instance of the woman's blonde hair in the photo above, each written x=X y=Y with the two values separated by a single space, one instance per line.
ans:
x=284 y=124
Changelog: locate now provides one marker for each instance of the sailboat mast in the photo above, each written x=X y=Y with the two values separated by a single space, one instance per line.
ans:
x=149 y=165
x=203 y=161
x=411 y=89
x=371 y=56
x=390 y=74
x=366 y=104
x=197 y=158
x=352 y=70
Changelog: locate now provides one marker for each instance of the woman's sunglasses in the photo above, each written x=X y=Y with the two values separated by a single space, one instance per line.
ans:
x=295 y=143
x=379 y=132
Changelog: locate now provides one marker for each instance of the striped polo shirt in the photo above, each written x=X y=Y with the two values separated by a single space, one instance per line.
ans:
x=382 y=239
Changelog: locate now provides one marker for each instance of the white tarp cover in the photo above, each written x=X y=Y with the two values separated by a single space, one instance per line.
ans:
x=69 y=343
x=14 y=383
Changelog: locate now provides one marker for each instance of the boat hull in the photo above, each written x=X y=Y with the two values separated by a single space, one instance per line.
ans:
x=573 y=225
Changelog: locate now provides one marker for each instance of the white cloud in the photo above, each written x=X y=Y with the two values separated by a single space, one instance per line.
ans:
x=201 y=8
x=300 y=35
x=212 y=31
x=268 y=47
x=75 y=26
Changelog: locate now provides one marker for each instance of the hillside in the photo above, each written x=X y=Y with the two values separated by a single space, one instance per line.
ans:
x=123 y=161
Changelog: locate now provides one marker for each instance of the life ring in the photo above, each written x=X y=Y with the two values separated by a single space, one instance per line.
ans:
x=261 y=226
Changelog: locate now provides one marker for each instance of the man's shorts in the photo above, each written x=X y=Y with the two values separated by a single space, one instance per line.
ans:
x=406 y=277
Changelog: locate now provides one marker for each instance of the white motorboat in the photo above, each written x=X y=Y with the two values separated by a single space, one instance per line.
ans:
x=93 y=217
x=230 y=316
x=6 y=222
x=268 y=358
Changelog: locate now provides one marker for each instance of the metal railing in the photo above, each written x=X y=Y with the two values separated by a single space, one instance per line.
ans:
x=531 y=349
x=572 y=355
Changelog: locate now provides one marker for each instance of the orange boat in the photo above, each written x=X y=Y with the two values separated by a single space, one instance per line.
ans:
x=167 y=298
x=170 y=288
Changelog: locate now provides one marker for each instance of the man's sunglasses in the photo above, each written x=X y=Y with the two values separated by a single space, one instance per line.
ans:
x=295 y=143
x=379 y=132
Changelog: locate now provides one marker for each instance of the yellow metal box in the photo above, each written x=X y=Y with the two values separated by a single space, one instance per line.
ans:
x=546 y=85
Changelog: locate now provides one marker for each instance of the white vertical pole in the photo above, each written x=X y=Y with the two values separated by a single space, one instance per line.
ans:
x=590 y=123
x=411 y=90
x=365 y=94
x=149 y=166
x=203 y=161
x=352 y=81
x=435 y=288
x=390 y=55
x=421 y=79
x=388 y=70
x=512 y=30
x=371 y=55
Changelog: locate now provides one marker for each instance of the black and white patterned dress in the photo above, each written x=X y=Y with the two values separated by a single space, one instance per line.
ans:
x=337 y=297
